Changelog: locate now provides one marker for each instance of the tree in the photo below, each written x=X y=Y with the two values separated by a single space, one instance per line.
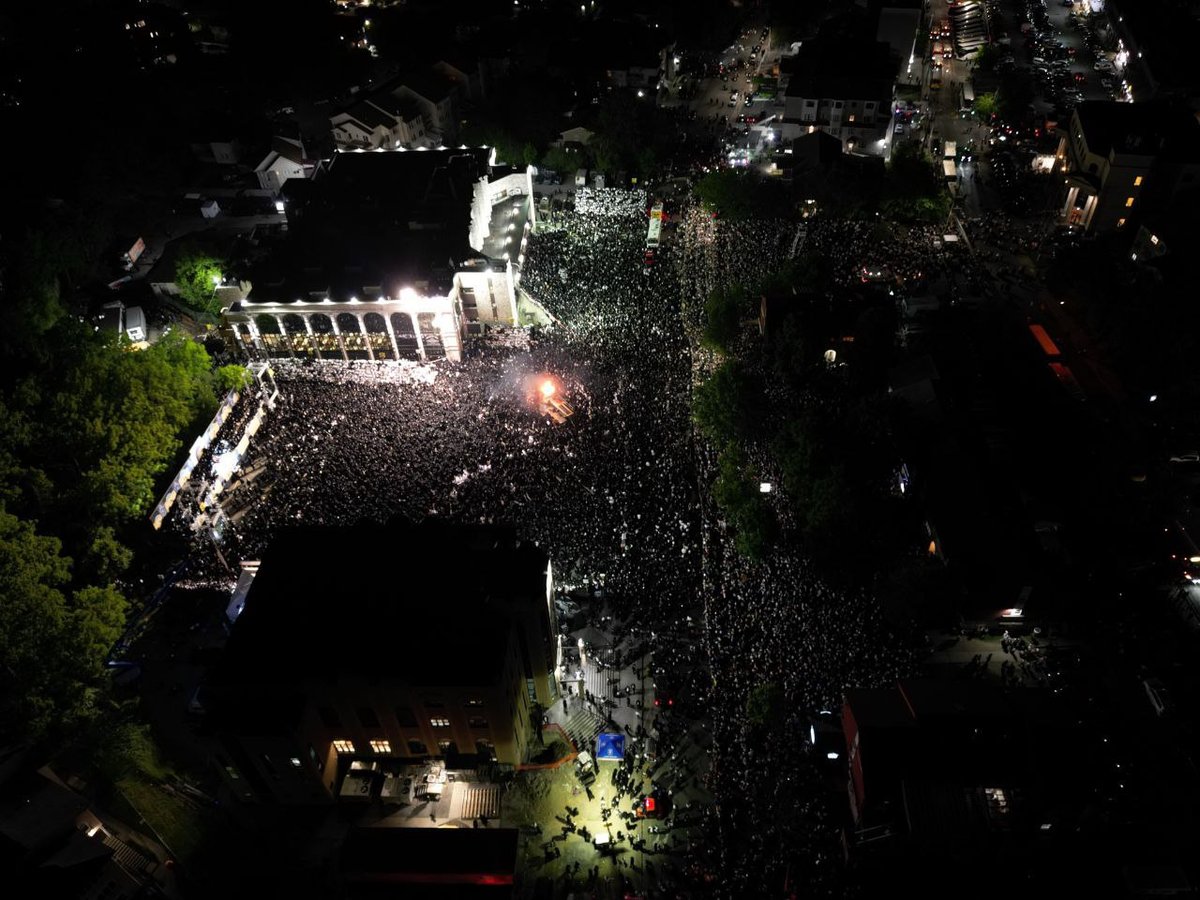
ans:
x=564 y=160
x=116 y=422
x=765 y=704
x=736 y=493
x=913 y=192
x=198 y=274
x=987 y=57
x=52 y=650
x=739 y=194
x=985 y=106
x=231 y=378
x=719 y=405
x=723 y=313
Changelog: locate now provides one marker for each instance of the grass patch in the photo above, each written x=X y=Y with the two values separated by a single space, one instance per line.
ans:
x=177 y=823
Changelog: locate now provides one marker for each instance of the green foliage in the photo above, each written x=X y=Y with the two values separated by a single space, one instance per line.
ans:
x=739 y=194
x=231 y=378
x=113 y=423
x=128 y=750
x=755 y=528
x=106 y=557
x=52 y=647
x=985 y=106
x=987 y=57
x=633 y=136
x=914 y=192
x=564 y=160
x=723 y=313
x=482 y=133
x=56 y=251
x=731 y=489
x=736 y=492
x=765 y=704
x=529 y=154
x=837 y=463
x=197 y=274
x=720 y=406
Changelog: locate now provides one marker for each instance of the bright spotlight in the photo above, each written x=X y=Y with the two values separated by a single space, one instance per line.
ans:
x=547 y=388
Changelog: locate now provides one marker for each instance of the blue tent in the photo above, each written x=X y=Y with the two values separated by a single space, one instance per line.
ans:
x=610 y=746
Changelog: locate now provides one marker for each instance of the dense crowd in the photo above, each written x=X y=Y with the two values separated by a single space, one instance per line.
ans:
x=609 y=202
x=613 y=494
x=776 y=623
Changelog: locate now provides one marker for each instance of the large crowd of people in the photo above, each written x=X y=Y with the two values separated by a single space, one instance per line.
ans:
x=616 y=494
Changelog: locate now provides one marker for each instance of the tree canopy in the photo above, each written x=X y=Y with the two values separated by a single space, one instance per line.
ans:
x=739 y=194
x=53 y=642
x=913 y=191
x=721 y=406
x=198 y=274
x=84 y=441
x=723 y=313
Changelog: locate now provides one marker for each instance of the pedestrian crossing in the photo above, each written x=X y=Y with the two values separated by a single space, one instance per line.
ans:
x=482 y=800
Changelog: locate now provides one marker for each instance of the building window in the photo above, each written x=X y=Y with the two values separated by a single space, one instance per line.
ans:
x=405 y=717
x=1154 y=239
x=838 y=105
x=531 y=689
x=343 y=746
x=473 y=703
x=1121 y=222
x=485 y=748
x=367 y=717
x=296 y=762
x=1137 y=182
x=329 y=717
x=439 y=722
x=316 y=760
x=477 y=722
x=446 y=747
x=381 y=747
x=433 y=702
x=851 y=117
x=1128 y=202
x=416 y=748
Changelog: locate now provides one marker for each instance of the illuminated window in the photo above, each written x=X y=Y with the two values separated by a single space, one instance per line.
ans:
x=446 y=747
x=473 y=702
x=477 y=722
x=343 y=746
x=1121 y=222
x=1137 y=182
x=1154 y=239
x=1128 y=202
x=296 y=761
x=439 y=722
x=381 y=747
x=851 y=117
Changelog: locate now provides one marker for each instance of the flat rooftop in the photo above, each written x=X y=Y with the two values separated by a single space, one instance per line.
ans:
x=388 y=218
x=428 y=603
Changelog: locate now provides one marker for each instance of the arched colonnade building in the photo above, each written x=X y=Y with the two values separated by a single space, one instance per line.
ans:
x=441 y=235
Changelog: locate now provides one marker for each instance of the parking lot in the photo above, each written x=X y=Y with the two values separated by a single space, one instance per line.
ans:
x=1052 y=41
